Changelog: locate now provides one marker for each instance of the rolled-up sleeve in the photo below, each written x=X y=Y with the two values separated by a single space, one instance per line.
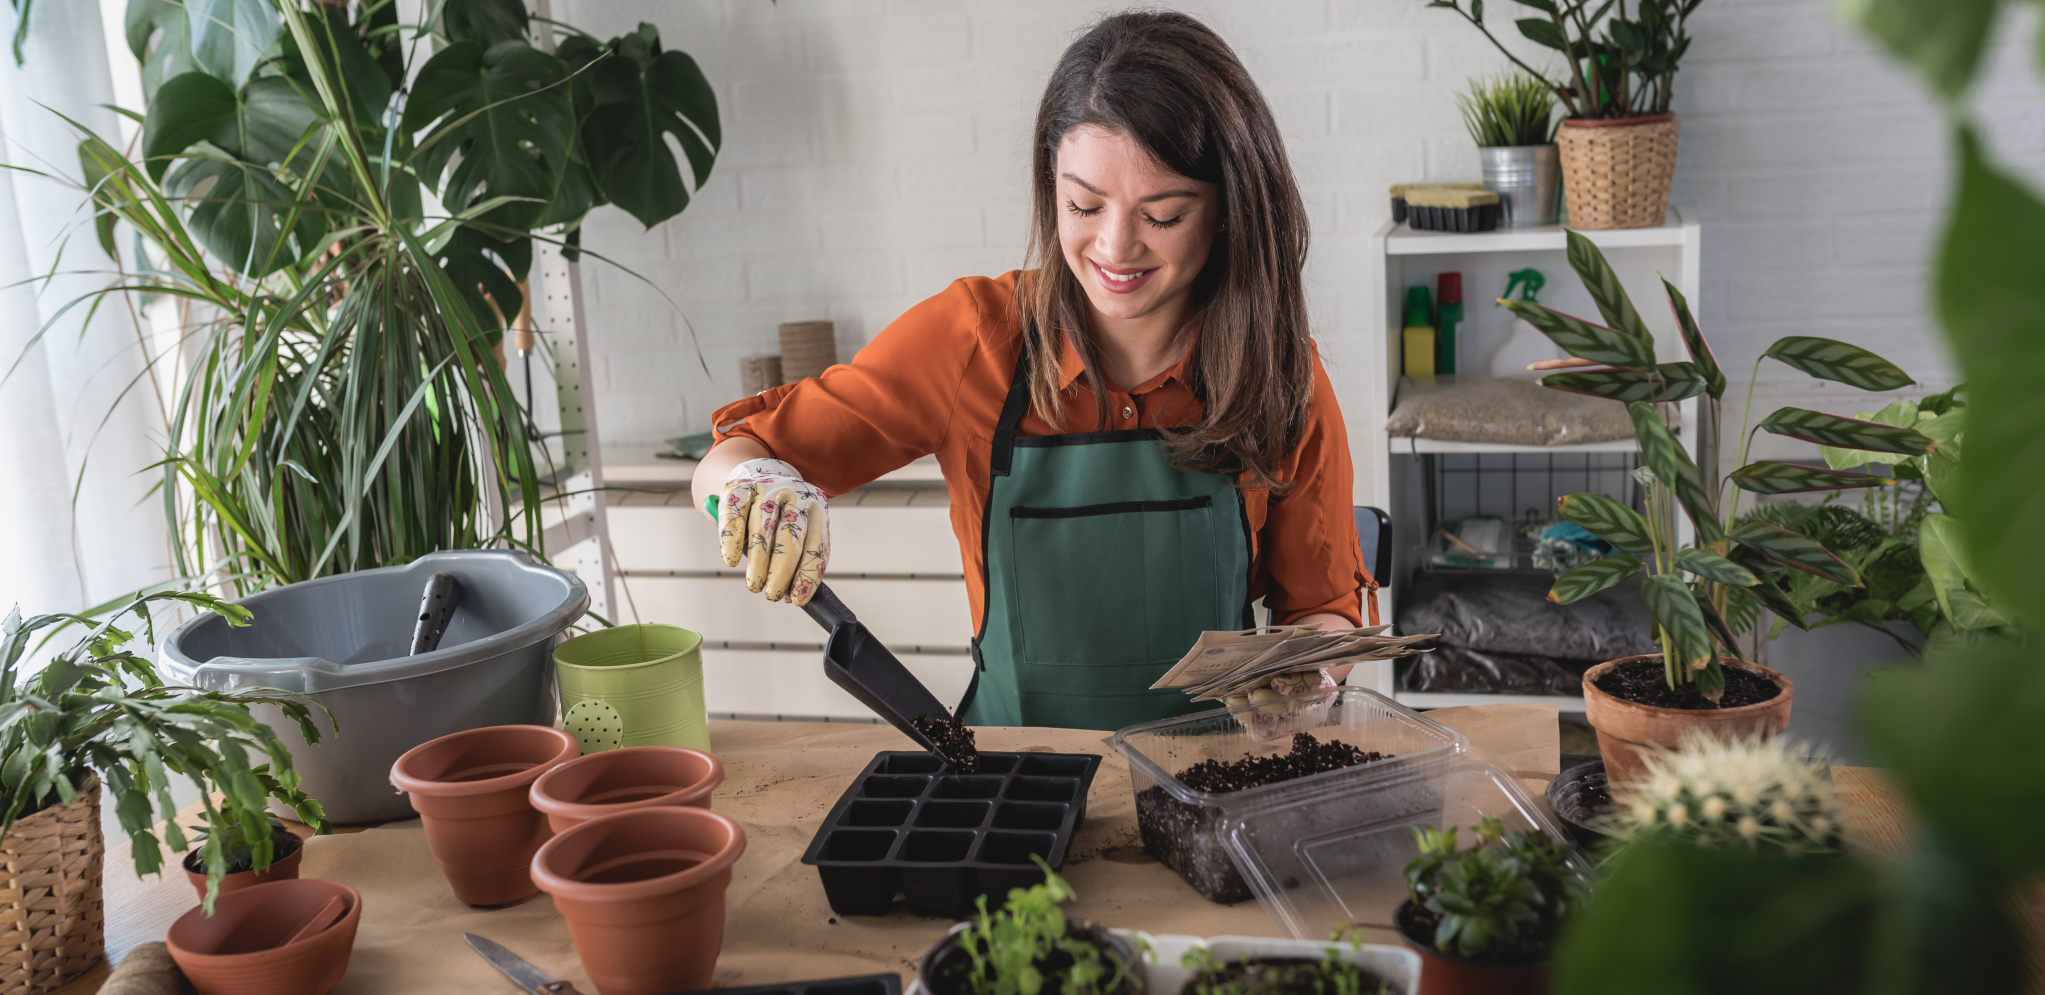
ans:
x=1311 y=563
x=892 y=404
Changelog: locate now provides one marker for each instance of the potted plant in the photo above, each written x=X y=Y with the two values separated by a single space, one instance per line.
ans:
x=1335 y=972
x=1029 y=946
x=97 y=710
x=1748 y=791
x=1510 y=117
x=1695 y=681
x=1618 y=138
x=286 y=851
x=1485 y=919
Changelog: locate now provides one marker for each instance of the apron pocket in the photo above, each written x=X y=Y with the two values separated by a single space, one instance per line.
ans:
x=1113 y=586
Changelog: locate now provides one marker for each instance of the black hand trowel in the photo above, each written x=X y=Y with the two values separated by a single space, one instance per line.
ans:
x=855 y=660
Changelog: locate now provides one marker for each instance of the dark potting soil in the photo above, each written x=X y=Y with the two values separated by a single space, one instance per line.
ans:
x=953 y=739
x=1183 y=836
x=1280 y=976
x=284 y=842
x=1644 y=682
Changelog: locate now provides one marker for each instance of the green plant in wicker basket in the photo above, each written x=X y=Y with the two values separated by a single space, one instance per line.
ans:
x=1627 y=71
x=1689 y=585
x=1509 y=109
x=99 y=706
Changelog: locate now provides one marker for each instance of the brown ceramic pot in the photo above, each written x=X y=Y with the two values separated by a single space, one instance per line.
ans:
x=241 y=948
x=1625 y=726
x=1442 y=974
x=643 y=893
x=284 y=868
x=621 y=780
x=472 y=791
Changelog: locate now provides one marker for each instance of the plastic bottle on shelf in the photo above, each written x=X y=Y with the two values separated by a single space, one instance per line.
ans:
x=1523 y=344
x=1418 y=336
x=1448 y=310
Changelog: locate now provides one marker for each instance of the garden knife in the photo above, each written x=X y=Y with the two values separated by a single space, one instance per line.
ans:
x=527 y=977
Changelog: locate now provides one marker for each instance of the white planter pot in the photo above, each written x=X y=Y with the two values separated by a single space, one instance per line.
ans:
x=1162 y=974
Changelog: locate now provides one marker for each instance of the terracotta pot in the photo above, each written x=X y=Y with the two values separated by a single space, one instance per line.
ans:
x=472 y=792
x=944 y=967
x=1616 y=172
x=625 y=779
x=1625 y=726
x=241 y=948
x=643 y=893
x=1445 y=974
x=284 y=868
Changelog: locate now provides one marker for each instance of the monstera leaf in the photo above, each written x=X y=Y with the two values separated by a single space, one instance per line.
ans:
x=157 y=36
x=235 y=197
x=229 y=37
x=505 y=115
x=485 y=22
x=641 y=94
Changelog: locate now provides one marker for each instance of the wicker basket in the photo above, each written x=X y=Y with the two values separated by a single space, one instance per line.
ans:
x=1615 y=174
x=52 y=921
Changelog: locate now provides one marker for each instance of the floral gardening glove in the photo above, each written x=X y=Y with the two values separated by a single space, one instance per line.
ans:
x=778 y=523
x=1265 y=724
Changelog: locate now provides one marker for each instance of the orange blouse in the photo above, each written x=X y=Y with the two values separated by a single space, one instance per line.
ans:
x=934 y=382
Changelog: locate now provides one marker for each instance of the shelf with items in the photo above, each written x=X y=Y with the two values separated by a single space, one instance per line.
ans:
x=1406 y=476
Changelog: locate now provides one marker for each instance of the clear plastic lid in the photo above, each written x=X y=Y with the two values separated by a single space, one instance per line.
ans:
x=1339 y=854
x=1156 y=751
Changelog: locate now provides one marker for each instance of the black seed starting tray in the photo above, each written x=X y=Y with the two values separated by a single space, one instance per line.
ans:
x=865 y=984
x=910 y=826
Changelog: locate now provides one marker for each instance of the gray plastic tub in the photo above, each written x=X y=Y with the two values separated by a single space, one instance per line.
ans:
x=342 y=641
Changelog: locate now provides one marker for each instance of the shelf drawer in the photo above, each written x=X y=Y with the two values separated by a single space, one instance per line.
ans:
x=865 y=538
x=904 y=613
x=784 y=682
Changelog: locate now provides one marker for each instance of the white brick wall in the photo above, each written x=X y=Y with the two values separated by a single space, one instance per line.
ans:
x=875 y=150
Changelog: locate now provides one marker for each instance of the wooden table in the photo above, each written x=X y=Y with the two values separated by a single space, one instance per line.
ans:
x=1101 y=869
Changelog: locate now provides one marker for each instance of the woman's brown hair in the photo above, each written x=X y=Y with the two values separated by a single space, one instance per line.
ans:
x=1171 y=84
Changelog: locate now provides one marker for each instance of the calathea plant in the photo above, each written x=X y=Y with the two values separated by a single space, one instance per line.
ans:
x=98 y=706
x=1688 y=584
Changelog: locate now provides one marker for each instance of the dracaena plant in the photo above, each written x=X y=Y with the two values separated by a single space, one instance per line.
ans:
x=1628 y=70
x=1689 y=585
x=338 y=406
x=98 y=706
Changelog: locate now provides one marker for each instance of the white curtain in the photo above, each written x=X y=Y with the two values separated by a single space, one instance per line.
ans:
x=80 y=415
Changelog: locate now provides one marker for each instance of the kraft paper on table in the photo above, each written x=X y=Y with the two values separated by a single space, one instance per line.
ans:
x=781 y=780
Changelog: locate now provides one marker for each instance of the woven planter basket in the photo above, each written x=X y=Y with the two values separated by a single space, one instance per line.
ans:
x=1616 y=174
x=52 y=921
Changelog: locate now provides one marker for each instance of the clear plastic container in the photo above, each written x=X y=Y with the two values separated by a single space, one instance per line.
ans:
x=1340 y=855
x=1179 y=825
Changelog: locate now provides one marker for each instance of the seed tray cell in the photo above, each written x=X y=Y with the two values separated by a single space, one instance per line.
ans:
x=865 y=984
x=910 y=826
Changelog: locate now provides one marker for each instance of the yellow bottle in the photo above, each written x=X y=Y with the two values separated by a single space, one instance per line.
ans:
x=1419 y=335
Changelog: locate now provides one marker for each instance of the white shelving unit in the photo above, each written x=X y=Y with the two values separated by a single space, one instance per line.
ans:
x=1402 y=257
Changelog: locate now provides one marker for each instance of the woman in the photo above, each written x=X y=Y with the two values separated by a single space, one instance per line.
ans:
x=1136 y=434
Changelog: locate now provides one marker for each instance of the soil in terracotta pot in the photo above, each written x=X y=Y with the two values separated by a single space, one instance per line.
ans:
x=951 y=974
x=284 y=844
x=1645 y=682
x=1282 y=976
x=1182 y=835
x=954 y=739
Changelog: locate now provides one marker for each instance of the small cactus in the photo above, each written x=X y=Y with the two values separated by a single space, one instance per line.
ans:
x=1749 y=792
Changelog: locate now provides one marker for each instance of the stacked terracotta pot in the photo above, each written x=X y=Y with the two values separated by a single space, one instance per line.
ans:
x=623 y=840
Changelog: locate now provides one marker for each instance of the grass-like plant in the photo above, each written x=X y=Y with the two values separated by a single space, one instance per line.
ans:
x=1503 y=900
x=1690 y=584
x=98 y=706
x=1507 y=110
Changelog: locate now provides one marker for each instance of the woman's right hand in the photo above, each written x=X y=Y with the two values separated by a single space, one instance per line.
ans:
x=779 y=523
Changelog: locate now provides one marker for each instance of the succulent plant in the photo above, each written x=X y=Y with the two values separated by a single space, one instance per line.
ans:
x=1744 y=791
x=1503 y=900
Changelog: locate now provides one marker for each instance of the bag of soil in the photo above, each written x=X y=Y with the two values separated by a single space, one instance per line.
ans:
x=1502 y=410
x=1500 y=633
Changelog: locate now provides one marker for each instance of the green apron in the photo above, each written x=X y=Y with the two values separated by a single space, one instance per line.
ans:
x=1104 y=563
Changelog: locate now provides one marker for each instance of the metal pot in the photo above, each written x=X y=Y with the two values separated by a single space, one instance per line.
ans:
x=1528 y=181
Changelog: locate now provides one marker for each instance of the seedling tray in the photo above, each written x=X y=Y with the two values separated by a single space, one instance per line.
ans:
x=865 y=984
x=909 y=825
